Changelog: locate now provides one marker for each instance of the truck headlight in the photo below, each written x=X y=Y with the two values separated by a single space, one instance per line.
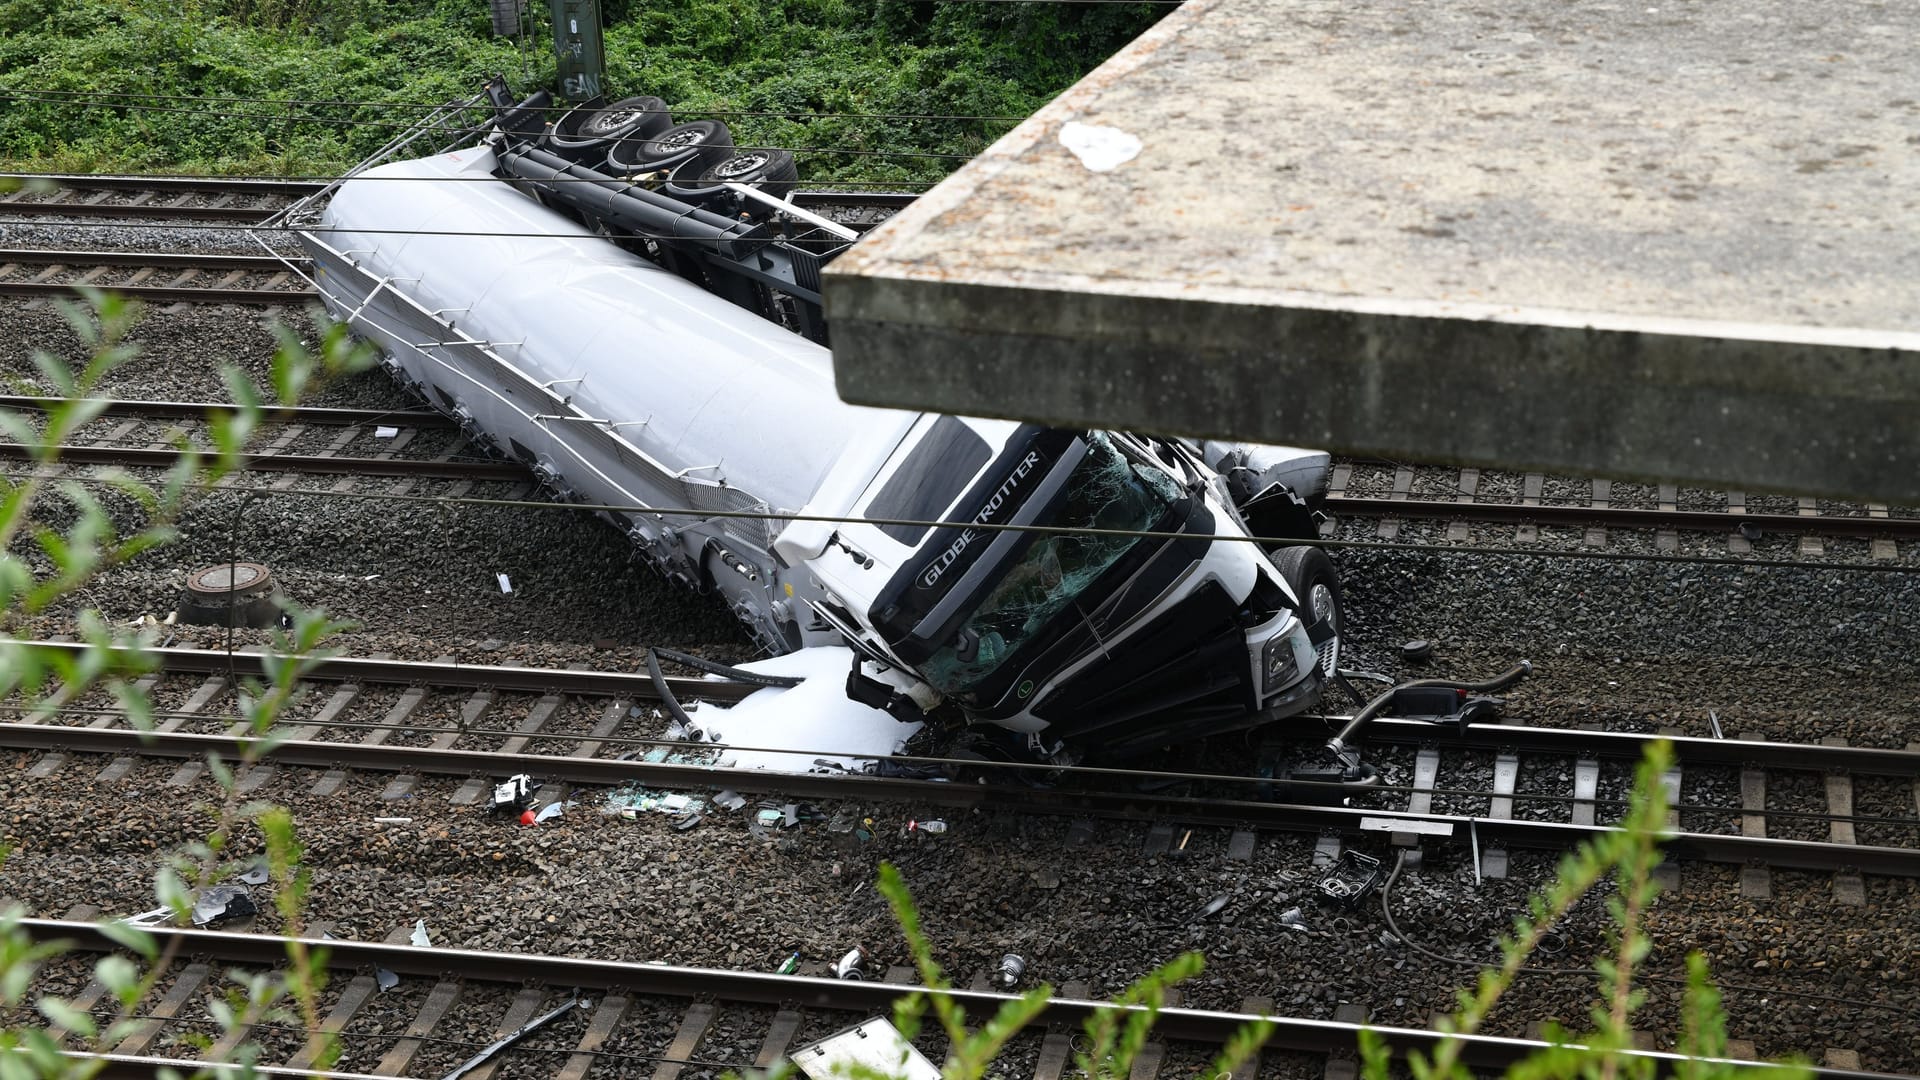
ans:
x=1285 y=657
x=1277 y=663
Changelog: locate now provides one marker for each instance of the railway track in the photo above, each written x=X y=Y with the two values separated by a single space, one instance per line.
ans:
x=487 y=740
x=581 y=1017
x=161 y=277
x=1390 y=494
x=251 y=201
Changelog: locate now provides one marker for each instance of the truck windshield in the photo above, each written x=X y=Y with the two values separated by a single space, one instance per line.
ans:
x=1105 y=491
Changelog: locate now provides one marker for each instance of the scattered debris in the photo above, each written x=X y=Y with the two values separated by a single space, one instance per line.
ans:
x=770 y=817
x=384 y=431
x=1352 y=879
x=1012 y=967
x=487 y=1052
x=506 y=585
x=515 y=794
x=1213 y=907
x=385 y=979
x=419 y=938
x=1292 y=919
x=631 y=800
x=788 y=966
x=220 y=903
x=257 y=874
x=149 y=918
x=393 y=821
x=1417 y=651
x=872 y=1048
x=552 y=810
x=852 y=966
x=729 y=800
x=686 y=821
x=527 y=817
x=933 y=826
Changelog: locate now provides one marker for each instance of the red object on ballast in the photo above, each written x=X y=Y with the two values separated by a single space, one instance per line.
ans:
x=526 y=817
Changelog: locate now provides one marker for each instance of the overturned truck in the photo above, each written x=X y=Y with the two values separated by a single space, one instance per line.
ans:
x=631 y=308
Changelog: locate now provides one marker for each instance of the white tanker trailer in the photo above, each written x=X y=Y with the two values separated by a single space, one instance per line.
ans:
x=991 y=565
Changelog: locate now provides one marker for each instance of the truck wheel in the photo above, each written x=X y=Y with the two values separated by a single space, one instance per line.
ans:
x=587 y=128
x=772 y=171
x=706 y=141
x=1311 y=576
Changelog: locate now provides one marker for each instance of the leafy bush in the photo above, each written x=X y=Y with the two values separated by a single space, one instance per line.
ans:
x=309 y=86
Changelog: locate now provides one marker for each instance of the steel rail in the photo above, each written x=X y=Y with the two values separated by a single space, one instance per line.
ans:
x=157 y=259
x=636 y=685
x=199 y=410
x=1123 y=805
x=1688 y=749
x=218 y=184
x=145 y=211
x=140 y=458
x=665 y=980
x=1692 y=520
x=162 y=294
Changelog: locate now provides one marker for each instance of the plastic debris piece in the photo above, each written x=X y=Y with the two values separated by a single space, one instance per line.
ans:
x=1417 y=651
x=393 y=821
x=790 y=814
x=527 y=817
x=932 y=825
x=1212 y=908
x=149 y=918
x=769 y=817
x=220 y=903
x=1012 y=967
x=257 y=874
x=729 y=800
x=788 y=966
x=852 y=967
x=873 y=1048
x=513 y=794
x=387 y=979
x=686 y=821
x=419 y=937
x=510 y=1038
x=506 y=585
x=551 y=810
x=385 y=432
x=675 y=804
x=1292 y=919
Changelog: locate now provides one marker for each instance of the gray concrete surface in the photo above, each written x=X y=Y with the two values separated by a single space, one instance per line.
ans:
x=1664 y=240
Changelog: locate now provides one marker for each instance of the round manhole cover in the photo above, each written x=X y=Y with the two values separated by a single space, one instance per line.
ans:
x=229 y=578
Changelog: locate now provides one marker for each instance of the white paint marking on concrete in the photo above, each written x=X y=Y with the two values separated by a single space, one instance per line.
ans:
x=1099 y=148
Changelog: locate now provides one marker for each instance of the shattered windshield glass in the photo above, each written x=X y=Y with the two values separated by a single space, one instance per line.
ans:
x=1106 y=491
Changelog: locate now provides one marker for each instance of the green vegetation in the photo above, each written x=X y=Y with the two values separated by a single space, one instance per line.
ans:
x=306 y=87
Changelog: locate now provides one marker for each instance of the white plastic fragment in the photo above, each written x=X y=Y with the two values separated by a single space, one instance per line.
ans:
x=551 y=810
x=419 y=937
x=393 y=821
x=506 y=586
x=1099 y=148
x=385 y=432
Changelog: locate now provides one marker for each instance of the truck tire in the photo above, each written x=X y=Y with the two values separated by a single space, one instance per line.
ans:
x=772 y=171
x=697 y=140
x=1310 y=574
x=587 y=129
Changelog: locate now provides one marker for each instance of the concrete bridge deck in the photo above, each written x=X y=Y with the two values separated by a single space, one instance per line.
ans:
x=1671 y=240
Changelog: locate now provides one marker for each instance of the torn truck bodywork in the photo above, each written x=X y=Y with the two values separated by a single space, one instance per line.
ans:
x=1093 y=587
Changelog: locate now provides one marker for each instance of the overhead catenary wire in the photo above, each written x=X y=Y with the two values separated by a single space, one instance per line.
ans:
x=287 y=117
x=102 y=97
x=1052 y=530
